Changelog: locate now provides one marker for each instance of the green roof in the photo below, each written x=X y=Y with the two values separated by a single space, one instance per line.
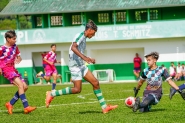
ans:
x=17 y=7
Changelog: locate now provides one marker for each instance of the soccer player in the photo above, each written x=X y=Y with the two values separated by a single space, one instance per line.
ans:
x=9 y=56
x=49 y=67
x=153 y=91
x=43 y=54
x=179 y=72
x=172 y=90
x=172 y=70
x=137 y=65
x=79 y=70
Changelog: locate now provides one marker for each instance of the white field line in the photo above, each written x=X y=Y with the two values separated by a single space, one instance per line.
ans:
x=80 y=103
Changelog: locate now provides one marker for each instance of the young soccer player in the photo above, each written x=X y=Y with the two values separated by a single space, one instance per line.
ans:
x=137 y=65
x=49 y=67
x=172 y=70
x=43 y=54
x=79 y=70
x=179 y=72
x=9 y=56
x=153 y=91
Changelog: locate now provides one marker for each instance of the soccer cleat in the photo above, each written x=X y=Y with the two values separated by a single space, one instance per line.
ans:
x=29 y=109
x=39 y=74
x=136 y=105
x=9 y=107
x=49 y=98
x=172 y=92
x=109 y=108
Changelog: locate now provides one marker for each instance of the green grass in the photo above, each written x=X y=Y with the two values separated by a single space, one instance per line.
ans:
x=84 y=108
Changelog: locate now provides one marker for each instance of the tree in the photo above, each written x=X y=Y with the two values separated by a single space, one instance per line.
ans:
x=9 y=22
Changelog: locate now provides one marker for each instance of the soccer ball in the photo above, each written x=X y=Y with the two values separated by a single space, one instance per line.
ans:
x=130 y=101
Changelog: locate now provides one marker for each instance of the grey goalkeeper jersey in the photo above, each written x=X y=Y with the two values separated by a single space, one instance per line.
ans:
x=75 y=60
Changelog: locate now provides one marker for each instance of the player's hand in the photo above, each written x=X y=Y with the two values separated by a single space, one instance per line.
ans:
x=59 y=62
x=135 y=91
x=182 y=93
x=88 y=60
x=0 y=71
x=51 y=63
x=18 y=60
x=92 y=60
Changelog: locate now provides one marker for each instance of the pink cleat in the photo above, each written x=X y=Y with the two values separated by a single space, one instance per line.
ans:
x=49 y=98
x=9 y=107
x=109 y=108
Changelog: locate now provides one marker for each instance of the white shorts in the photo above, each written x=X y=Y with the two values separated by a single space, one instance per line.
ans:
x=78 y=72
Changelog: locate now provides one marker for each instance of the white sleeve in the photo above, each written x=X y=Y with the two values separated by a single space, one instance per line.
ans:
x=78 y=37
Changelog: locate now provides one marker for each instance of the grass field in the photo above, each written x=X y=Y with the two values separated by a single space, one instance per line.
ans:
x=84 y=108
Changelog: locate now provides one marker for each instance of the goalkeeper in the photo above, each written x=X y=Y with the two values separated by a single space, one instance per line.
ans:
x=153 y=91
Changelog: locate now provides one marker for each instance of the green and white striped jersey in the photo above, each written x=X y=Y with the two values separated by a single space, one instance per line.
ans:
x=74 y=59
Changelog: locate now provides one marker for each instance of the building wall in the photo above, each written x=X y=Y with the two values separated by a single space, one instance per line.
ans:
x=117 y=55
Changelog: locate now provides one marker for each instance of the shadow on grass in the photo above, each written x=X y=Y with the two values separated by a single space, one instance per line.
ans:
x=155 y=110
x=89 y=112
x=14 y=112
x=152 y=110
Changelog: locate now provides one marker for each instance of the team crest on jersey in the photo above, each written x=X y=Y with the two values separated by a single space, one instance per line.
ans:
x=158 y=73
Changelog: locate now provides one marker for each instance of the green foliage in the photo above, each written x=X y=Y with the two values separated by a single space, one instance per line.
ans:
x=3 y=3
x=7 y=24
x=84 y=107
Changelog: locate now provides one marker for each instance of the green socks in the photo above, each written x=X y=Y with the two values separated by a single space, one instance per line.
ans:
x=64 y=91
x=100 y=98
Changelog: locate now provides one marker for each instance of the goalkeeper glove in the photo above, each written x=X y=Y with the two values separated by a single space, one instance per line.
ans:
x=182 y=94
x=136 y=91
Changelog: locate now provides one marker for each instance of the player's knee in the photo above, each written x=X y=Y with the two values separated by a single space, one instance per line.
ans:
x=76 y=90
x=21 y=87
x=25 y=88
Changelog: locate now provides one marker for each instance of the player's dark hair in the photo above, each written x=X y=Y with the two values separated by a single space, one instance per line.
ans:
x=53 y=45
x=182 y=63
x=155 y=55
x=10 y=34
x=91 y=25
x=172 y=62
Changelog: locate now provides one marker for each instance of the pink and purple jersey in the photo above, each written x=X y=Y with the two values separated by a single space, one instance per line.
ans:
x=50 y=69
x=8 y=55
x=137 y=62
x=51 y=57
x=7 y=58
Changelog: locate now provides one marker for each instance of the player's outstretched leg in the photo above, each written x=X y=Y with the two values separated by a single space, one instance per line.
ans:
x=173 y=91
x=51 y=94
x=9 y=105
x=18 y=82
x=97 y=91
x=40 y=74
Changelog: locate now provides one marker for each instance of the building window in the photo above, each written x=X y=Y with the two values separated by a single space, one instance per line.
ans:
x=154 y=14
x=103 y=17
x=141 y=15
x=76 y=19
x=120 y=17
x=39 y=21
x=56 y=20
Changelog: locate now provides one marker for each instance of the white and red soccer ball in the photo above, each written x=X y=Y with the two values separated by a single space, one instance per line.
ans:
x=130 y=101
